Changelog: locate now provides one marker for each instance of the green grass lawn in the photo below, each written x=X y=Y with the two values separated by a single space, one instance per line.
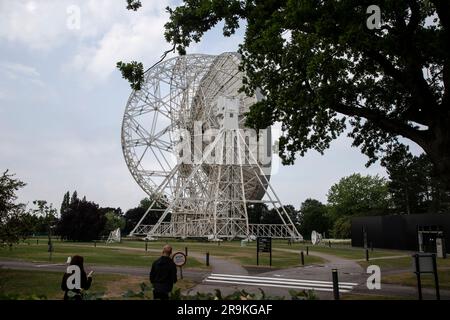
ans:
x=111 y=255
x=131 y=253
x=410 y=279
x=279 y=260
x=339 y=250
x=48 y=284
x=400 y=263
x=28 y=284
x=354 y=296
x=245 y=255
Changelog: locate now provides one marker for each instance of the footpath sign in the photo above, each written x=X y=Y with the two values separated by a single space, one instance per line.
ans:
x=425 y=263
x=263 y=244
x=180 y=260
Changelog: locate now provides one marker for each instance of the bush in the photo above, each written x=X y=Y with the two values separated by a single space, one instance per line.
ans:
x=342 y=228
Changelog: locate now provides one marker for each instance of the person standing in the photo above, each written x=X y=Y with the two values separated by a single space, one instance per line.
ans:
x=85 y=280
x=163 y=274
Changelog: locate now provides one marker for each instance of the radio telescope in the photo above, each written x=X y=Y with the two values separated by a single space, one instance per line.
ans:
x=316 y=237
x=186 y=145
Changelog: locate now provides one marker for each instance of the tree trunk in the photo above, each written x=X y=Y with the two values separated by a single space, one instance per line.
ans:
x=437 y=147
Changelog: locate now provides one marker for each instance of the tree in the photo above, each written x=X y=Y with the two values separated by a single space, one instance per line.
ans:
x=356 y=195
x=342 y=228
x=313 y=216
x=47 y=215
x=359 y=195
x=82 y=221
x=14 y=224
x=318 y=63
x=113 y=221
x=412 y=184
x=65 y=203
x=256 y=212
x=133 y=216
x=74 y=198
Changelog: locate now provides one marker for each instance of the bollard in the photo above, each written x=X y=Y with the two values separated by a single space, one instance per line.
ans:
x=303 y=258
x=186 y=251
x=335 y=284
x=307 y=250
x=95 y=243
x=329 y=243
x=207 y=259
x=146 y=246
x=367 y=254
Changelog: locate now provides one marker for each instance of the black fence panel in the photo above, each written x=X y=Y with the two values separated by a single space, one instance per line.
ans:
x=397 y=231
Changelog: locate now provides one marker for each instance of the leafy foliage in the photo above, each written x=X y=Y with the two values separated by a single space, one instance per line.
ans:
x=413 y=186
x=6 y=296
x=14 y=224
x=260 y=213
x=313 y=216
x=356 y=195
x=317 y=62
x=133 y=4
x=359 y=195
x=133 y=216
x=65 y=203
x=133 y=72
x=114 y=221
x=82 y=221
x=145 y=293
x=342 y=227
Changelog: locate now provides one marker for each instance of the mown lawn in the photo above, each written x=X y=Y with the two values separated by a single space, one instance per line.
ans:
x=408 y=278
x=19 y=284
x=279 y=259
x=354 y=296
x=100 y=255
x=400 y=263
x=131 y=253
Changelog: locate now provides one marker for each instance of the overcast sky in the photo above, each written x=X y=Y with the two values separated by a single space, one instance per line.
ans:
x=62 y=102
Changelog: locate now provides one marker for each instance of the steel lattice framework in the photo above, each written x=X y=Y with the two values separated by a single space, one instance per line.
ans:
x=189 y=97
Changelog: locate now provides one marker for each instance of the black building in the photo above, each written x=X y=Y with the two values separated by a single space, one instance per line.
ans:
x=402 y=232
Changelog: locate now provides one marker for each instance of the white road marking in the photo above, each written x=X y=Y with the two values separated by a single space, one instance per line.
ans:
x=278 y=282
x=49 y=265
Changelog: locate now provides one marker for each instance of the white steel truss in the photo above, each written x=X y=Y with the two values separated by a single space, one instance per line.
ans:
x=203 y=198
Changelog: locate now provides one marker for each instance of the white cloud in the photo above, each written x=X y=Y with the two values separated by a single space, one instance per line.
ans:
x=139 y=39
x=19 y=70
x=19 y=80
x=3 y=96
x=38 y=25
x=108 y=32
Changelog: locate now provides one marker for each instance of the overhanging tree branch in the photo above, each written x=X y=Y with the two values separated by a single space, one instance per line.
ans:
x=393 y=126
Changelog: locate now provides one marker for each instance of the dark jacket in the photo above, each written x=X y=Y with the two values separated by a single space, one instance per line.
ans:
x=85 y=285
x=163 y=274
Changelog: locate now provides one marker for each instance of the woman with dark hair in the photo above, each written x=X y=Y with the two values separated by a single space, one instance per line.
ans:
x=85 y=280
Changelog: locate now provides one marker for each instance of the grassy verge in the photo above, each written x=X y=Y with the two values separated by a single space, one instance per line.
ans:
x=400 y=263
x=355 y=296
x=111 y=256
x=131 y=253
x=27 y=284
x=279 y=260
x=410 y=279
